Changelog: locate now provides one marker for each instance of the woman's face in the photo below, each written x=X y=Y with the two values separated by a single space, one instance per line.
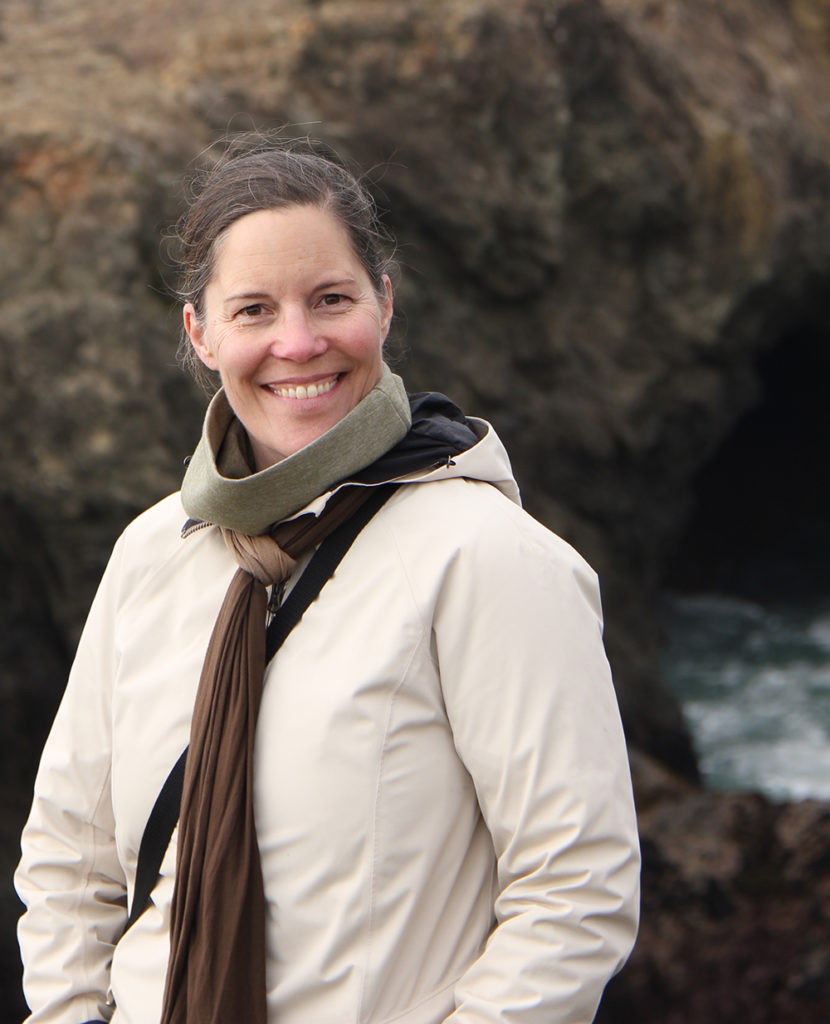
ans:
x=293 y=325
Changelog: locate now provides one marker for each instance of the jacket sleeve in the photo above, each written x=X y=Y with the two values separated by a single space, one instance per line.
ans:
x=532 y=707
x=69 y=877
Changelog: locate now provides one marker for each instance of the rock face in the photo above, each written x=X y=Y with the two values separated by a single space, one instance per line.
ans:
x=736 y=905
x=608 y=212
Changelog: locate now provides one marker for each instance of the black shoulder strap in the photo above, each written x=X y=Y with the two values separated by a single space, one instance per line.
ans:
x=165 y=813
x=322 y=565
x=156 y=838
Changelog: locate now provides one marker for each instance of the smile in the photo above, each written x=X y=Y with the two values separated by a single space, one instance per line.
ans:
x=304 y=390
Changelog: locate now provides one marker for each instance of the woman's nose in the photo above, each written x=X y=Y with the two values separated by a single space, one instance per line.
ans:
x=296 y=337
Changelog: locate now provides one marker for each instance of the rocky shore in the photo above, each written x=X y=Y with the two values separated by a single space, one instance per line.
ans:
x=611 y=213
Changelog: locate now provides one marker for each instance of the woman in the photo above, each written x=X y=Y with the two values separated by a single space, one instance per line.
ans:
x=422 y=812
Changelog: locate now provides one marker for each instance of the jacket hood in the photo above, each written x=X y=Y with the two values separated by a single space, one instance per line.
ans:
x=485 y=459
x=441 y=444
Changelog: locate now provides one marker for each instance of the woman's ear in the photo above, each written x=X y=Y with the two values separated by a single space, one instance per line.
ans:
x=386 y=307
x=198 y=336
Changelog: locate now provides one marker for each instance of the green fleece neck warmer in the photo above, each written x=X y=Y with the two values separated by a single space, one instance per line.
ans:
x=220 y=488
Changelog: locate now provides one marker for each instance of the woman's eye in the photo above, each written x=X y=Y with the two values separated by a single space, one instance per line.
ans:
x=255 y=309
x=332 y=299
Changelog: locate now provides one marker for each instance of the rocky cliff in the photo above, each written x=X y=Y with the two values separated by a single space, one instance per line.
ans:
x=610 y=214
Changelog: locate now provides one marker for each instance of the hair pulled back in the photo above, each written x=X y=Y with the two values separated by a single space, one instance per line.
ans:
x=255 y=173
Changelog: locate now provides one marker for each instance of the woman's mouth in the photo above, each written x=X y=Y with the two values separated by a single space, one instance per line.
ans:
x=313 y=390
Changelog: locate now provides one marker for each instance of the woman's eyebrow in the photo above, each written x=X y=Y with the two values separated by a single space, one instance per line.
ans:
x=238 y=296
x=245 y=295
x=334 y=284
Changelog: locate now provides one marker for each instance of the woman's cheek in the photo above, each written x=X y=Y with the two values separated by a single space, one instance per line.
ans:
x=236 y=349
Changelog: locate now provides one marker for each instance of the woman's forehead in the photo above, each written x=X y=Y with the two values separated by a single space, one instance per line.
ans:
x=289 y=242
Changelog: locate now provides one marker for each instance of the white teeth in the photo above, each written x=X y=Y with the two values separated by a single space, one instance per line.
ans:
x=306 y=391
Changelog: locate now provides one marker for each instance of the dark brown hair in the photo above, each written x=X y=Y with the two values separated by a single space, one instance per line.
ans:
x=255 y=174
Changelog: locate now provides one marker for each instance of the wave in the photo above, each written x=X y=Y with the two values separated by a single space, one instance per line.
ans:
x=754 y=683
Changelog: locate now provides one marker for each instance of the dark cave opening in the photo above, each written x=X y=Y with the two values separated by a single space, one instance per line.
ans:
x=758 y=528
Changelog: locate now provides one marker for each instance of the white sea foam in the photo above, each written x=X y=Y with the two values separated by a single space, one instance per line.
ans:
x=754 y=685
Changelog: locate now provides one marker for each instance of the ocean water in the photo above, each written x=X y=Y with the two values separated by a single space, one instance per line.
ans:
x=754 y=682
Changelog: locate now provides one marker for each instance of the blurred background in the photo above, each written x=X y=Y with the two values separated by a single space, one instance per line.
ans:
x=614 y=230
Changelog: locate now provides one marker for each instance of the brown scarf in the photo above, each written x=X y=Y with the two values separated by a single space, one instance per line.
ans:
x=216 y=971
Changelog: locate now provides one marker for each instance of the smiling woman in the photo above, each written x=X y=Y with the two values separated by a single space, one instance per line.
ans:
x=293 y=325
x=404 y=794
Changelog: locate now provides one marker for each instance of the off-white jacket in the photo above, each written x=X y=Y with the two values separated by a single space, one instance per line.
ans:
x=443 y=801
